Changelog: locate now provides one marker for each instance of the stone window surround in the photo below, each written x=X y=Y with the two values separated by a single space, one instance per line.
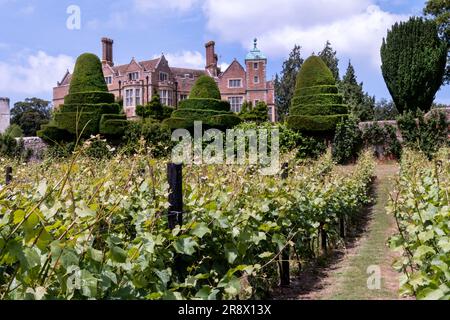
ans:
x=236 y=103
x=163 y=76
x=234 y=79
x=133 y=76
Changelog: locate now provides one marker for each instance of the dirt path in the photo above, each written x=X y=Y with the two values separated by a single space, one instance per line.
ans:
x=344 y=274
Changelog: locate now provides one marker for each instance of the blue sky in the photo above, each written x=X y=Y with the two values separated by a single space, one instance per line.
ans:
x=36 y=47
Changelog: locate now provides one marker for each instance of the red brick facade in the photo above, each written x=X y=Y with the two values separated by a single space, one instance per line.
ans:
x=136 y=82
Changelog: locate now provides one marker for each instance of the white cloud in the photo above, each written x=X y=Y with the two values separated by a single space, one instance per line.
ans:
x=179 y=5
x=39 y=73
x=185 y=59
x=355 y=27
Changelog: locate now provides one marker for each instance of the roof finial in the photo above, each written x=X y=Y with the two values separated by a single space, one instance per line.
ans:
x=255 y=43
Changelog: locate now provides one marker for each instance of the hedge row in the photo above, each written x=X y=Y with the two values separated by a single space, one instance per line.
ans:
x=325 y=109
x=77 y=123
x=91 y=97
x=323 y=89
x=322 y=98
x=205 y=103
x=315 y=123
x=100 y=108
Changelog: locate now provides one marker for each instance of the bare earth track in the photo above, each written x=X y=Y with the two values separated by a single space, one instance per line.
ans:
x=343 y=273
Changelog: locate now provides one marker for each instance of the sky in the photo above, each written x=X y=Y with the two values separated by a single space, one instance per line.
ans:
x=40 y=39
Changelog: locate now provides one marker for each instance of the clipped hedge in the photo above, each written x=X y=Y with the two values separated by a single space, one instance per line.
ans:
x=224 y=121
x=88 y=75
x=324 y=89
x=178 y=123
x=100 y=108
x=205 y=88
x=113 y=124
x=51 y=133
x=205 y=103
x=316 y=106
x=77 y=123
x=93 y=97
x=315 y=123
x=321 y=98
x=311 y=109
x=193 y=114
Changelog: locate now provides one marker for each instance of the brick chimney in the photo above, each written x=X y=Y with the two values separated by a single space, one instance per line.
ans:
x=211 y=58
x=107 y=51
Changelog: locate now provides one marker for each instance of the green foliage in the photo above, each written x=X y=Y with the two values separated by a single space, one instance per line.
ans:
x=315 y=124
x=30 y=114
x=205 y=88
x=95 y=97
x=10 y=147
x=385 y=136
x=330 y=58
x=421 y=209
x=14 y=131
x=58 y=244
x=347 y=142
x=361 y=105
x=385 y=110
x=154 y=109
x=414 y=59
x=87 y=76
x=82 y=113
x=285 y=86
x=208 y=104
x=59 y=151
x=315 y=108
x=157 y=137
x=113 y=125
x=205 y=106
x=425 y=135
x=440 y=11
x=98 y=149
x=258 y=114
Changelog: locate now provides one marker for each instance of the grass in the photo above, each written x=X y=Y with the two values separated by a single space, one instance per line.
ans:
x=352 y=280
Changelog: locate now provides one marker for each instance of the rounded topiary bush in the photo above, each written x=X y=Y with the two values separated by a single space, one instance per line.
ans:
x=205 y=88
x=316 y=106
x=88 y=109
x=205 y=105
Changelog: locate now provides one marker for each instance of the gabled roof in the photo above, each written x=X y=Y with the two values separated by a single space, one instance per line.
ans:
x=66 y=79
x=182 y=71
x=235 y=62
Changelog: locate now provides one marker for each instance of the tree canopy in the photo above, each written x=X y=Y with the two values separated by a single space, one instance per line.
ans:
x=30 y=114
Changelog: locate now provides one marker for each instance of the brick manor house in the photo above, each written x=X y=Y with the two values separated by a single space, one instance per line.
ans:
x=136 y=81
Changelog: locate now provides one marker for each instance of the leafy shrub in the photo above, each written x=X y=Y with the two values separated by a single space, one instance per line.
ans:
x=154 y=109
x=385 y=137
x=59 y=151
x=260 y=113
x=14 y=131
x=11 y=147
x=347 y=142
x=98 y=149
x=425 y=135
x=316 y=106
x=157 y=137
x=206 y=103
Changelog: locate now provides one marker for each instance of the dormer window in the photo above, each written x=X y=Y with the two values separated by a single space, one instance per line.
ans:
x=108 y=80
x=133 y=76
x=163 y=77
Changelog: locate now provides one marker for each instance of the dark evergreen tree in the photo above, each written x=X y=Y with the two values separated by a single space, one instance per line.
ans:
x=440 y=11
x=360 y=103
x=414 y=61
x=284 y=87
x=330 y=58
x=30 y=114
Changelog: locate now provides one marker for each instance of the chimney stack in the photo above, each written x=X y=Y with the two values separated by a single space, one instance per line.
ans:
x=107 y=51
x=211 y=58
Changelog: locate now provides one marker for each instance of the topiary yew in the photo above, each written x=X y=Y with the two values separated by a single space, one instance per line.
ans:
x=203 y=105
x=316 y=106
x=89 y=108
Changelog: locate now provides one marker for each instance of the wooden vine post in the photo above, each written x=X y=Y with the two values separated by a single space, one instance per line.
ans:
x=285 y=278
x=8 y=176
x=175 y=179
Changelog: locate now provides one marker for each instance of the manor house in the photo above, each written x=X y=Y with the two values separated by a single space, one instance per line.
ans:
x=136 y=82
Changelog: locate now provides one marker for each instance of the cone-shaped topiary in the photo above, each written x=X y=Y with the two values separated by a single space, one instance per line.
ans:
x=316 y=106
x=89 y=108
x=203 y=105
